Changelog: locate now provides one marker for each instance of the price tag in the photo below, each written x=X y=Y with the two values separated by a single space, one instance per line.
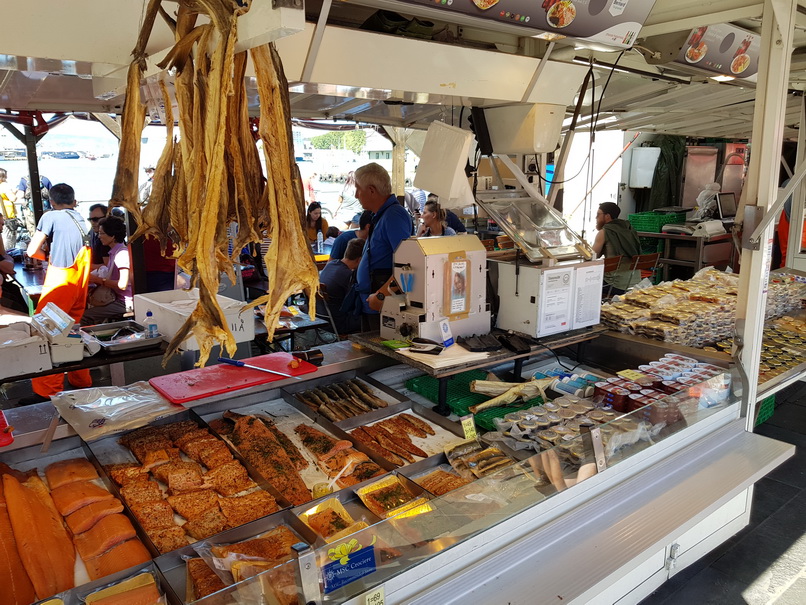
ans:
x=468 y=426
x=631 y=374
x=376 y=597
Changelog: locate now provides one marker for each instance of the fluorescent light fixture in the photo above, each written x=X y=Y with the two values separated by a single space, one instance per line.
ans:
x=722 y=78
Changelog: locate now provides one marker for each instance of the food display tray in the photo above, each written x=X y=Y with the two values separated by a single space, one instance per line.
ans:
x=121 y=346
x=173 y=564
x=108 y=451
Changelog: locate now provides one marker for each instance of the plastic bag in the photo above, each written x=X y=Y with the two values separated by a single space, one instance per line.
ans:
x=100 y=411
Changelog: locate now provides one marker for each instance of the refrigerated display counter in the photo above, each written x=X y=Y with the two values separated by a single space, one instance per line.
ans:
x=608 y=513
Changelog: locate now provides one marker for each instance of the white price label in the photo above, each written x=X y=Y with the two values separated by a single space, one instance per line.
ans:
x=376 y=597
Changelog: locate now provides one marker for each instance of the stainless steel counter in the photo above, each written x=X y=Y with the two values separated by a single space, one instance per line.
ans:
x=31 y=422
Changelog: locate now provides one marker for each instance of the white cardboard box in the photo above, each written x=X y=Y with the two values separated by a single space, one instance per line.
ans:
x=170 y=310
x=33 y=355
x=56 y=325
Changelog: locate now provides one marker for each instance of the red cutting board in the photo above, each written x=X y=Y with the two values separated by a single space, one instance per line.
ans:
x=214 y=380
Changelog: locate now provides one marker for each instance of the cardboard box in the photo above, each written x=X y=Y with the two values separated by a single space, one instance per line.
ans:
x=172 y=308
x=32 y=355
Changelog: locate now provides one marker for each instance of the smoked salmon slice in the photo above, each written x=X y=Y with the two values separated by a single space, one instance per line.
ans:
x=69 y=471
x=16 y=585
x=109 y=531
x=45 y=548
x=69 y=498
x=87 y=516
x=124 y=555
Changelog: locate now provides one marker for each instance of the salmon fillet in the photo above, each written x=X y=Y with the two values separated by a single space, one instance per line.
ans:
x=109 y=531
x=87 y=516
x=42 y=541
x=318 y=443
x=69 y=471
x=259 y=446
x=69 y=498
x=17 y=587
x=122 y=556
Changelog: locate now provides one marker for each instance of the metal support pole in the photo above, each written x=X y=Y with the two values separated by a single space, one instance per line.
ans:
x=761 y=188
x=33 y=172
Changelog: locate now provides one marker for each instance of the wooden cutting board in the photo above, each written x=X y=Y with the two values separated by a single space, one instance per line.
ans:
x=214 y=380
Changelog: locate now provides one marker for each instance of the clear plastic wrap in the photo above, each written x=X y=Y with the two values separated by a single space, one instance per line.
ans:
x=100 y=411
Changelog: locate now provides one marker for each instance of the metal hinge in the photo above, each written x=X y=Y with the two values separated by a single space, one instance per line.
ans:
x=671 y=560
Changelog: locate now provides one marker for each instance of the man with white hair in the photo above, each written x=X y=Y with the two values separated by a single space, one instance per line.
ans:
x=391 y=224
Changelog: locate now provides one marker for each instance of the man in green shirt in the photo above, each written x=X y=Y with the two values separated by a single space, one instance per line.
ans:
x=616 y=237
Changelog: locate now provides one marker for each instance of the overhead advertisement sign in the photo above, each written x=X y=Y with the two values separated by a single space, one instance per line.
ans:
x=609 y=22
x=722 y=49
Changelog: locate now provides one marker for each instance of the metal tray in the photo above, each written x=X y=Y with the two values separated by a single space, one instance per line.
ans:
x=118 y=346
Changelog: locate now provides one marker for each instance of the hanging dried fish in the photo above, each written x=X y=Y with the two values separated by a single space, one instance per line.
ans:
x=289 y=262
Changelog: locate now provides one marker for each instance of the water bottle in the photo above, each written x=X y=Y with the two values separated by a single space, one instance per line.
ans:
x=151 y=325
x=320 y=247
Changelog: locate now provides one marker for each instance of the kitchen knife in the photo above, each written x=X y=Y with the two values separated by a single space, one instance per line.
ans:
x=241 y=364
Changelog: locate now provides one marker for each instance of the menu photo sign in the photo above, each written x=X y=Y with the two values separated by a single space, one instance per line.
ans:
x=722 y=49
x=610 y=22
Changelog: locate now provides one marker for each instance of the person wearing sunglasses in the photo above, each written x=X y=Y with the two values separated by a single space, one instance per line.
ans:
x=100 y=253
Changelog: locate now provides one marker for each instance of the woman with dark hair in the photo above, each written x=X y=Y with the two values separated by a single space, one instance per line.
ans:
x=434 y=218
x=117 y=276
x=314 y=223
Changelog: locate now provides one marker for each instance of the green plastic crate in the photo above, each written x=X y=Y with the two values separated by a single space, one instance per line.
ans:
x=653 y=222
x=484 y=419
x=765 y=409
x=650 y=245
x=459 y=396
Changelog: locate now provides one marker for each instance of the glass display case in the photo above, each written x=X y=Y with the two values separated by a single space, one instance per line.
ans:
x=401 y=525
x=536 y=228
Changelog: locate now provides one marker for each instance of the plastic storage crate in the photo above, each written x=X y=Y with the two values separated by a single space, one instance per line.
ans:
x=653 y=222
x=765 y=409
x=460 y=398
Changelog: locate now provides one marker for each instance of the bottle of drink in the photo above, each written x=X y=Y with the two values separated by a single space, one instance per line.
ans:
x=152 y=331
x=320 y=247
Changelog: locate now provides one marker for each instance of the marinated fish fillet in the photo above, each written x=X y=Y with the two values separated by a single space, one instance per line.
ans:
x=318 y=443
x=17 y=587
x=274 y=545
x=137 y=493
x=215 y=454
x=154 y=515
x=127 y=472
x=43 y=544
x=87 y=516
x=69 y=498
x=168 y=539
x=192 y=504
x=243 y=509
x=140 y=595
x=228 y=479
x=362 y=437
x=203 y=579
x=208 y=523
x=109 y=531
x=260 y=448
x=67 y=471
x=121 y=556
x=418 y=422
x=383 y=438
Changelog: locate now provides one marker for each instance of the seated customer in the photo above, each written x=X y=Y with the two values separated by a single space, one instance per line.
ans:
x=336 y=277
x=616 y=237
x=331 y=235
x=112 y=233
x=340 y=245
x=434 y=221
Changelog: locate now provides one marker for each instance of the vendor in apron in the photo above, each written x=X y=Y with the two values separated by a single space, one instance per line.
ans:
x=63 y=233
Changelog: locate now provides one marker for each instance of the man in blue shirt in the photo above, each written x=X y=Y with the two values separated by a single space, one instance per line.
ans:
x=390 y=226
x=340 y=245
